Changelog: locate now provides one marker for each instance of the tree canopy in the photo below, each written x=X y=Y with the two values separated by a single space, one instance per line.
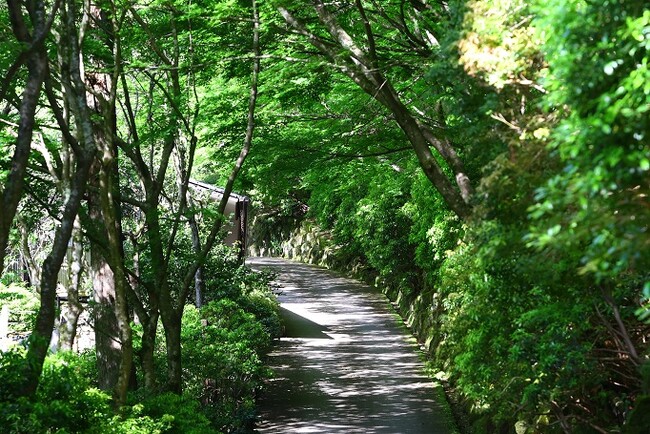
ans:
x=485 y=161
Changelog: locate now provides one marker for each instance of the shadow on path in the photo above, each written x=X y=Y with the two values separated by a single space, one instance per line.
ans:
x=345 y=365
x=296 y=326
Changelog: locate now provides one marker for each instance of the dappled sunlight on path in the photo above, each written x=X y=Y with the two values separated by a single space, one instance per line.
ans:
x=345 y=365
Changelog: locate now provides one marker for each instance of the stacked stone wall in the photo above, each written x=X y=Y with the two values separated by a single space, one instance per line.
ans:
x=309 y=244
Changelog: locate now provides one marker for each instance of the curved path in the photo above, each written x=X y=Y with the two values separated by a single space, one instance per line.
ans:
x=346 y=365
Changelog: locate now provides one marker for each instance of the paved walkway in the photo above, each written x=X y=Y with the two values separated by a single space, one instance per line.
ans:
x=346 y=364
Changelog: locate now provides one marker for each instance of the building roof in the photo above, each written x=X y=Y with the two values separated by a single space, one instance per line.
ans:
x=198 y=185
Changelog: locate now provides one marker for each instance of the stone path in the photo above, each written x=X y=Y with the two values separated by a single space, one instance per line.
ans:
x=346 y=364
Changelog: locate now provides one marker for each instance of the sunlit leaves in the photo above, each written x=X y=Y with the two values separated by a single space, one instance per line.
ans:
x=602 y=193
x=499 y=42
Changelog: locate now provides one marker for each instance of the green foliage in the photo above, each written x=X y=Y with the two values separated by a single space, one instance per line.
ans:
x=527 y=325
x=603 y=142
x=535 y=300
x=365 y=204
x=433 y=232
x=522 y=336
x=64 y=401
x=134 y=423
x=532 y=299
x=22 y=304
x=227 y=279
x=223 y=345
x=171 y=413
x=264 y=306
x=223 y=350
x=223 y=368
x=382 y=232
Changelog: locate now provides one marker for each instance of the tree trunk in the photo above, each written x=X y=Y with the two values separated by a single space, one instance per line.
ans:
x=31 y=266
x=102 y=99
x=107 y=345
x=428 y=163
x=162 y=295
x=359 y=65
x=110 y=212
x=149 y=328
x=172 y=323
x=42 y=333
x=36 y=71
x=199 y=285
x=181 y=180
x=70 y=319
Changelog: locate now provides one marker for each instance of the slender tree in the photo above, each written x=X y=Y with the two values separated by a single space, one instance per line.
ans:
x=85 y=149
x=34 y=56
x=359 y=59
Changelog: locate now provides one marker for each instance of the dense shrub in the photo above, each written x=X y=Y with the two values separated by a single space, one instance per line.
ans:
x=222 y=355
x=64 y=399
x=66 y=403
x=523 y=338
x=167 y=412
x=22 y=304
x=227 y=279
x=224 y=344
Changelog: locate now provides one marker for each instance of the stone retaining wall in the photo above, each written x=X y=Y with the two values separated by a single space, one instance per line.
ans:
x=310 y=244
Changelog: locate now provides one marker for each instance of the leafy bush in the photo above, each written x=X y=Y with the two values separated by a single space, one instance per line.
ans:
x=22 y=304
x=133 y=423
x=64 y=401
x=596 y=198
x=227 y=279
x=265 y=308
x=172 y=413
x=223 y=345
x=222 y=356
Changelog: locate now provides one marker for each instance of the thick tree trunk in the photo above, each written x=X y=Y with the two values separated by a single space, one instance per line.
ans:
x=107 y=337
x=107 y=345
x=172 y=325
x=70 y=318
x=114 y=296
x=109 y=187
x=147 y=351
x=112 y=322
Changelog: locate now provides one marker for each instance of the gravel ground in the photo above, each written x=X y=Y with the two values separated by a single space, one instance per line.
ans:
x=345 y=365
